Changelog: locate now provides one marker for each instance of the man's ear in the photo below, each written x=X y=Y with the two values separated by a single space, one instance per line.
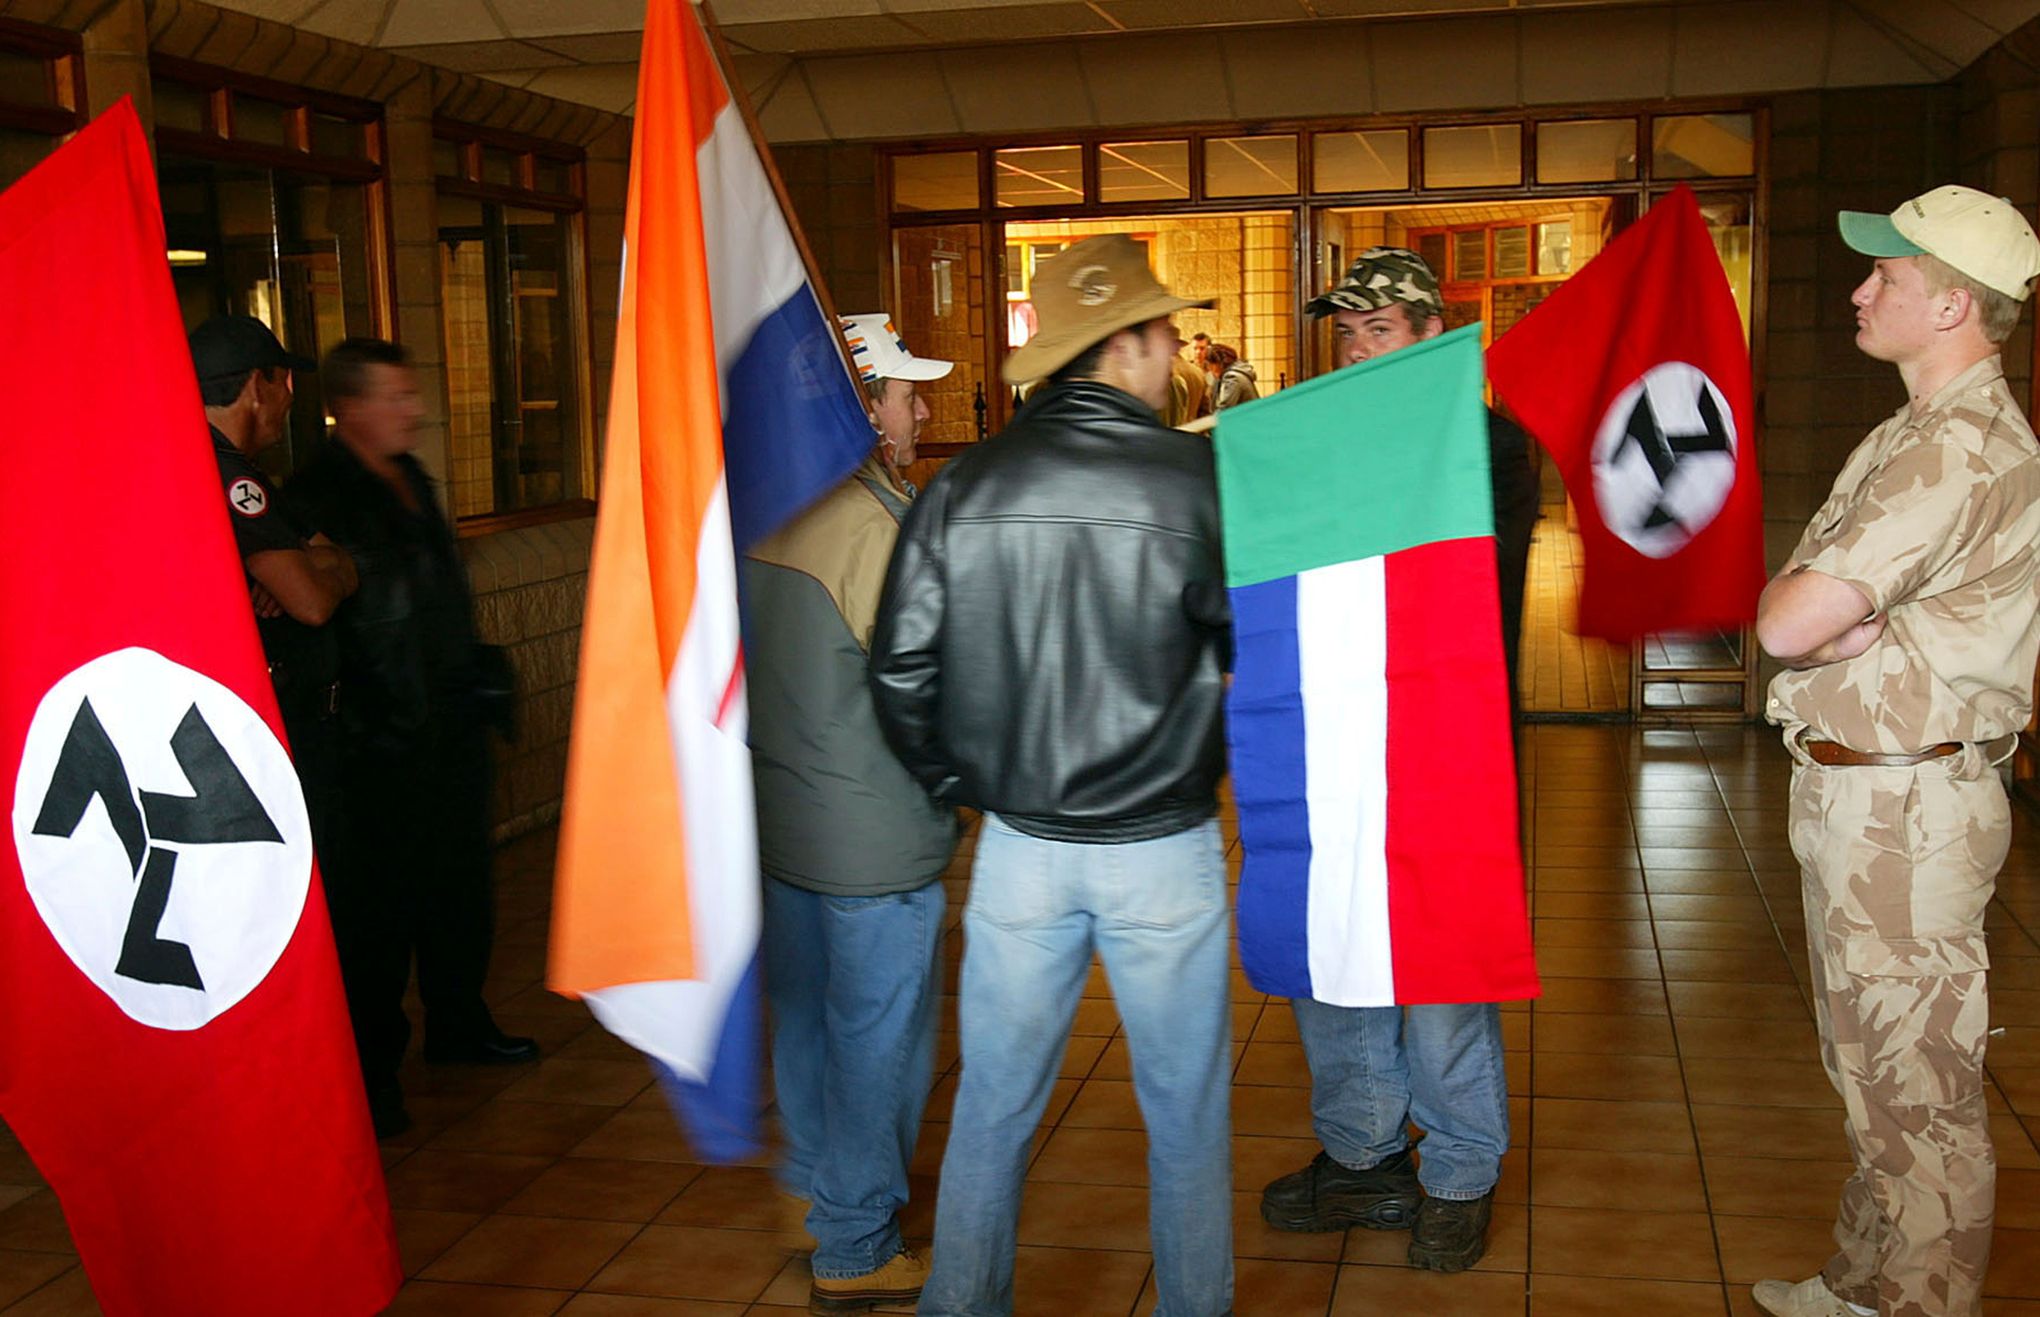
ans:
x=1957 y=305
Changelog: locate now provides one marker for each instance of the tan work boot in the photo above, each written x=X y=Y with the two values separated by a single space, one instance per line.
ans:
x=1809 y=1298
x=898 y=1281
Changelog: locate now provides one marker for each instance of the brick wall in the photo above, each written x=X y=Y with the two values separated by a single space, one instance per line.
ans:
x=834 y=191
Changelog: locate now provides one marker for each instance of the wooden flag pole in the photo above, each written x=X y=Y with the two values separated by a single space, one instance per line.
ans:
x=742 y=100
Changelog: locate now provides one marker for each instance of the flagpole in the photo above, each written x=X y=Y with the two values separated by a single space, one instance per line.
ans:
x=742 y=99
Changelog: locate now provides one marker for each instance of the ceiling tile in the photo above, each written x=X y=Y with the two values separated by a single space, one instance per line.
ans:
x=1466 y=63
x=281 y=11
x=1137 y=14
x=1323 y=69
x=481 y=56
x=1402 y=8
x=1005 y=22
x=1862 y=55
x=1944 y=29
x=789 y=114
x=1173 y=78
x=863 y=96
x=1715 y=56
x=609 y=87
x=734 y=13
x=1018 y=88
x=547 y=18
x=595 y=48
x=430 y=22
x=804 y=36
x=1571 y=57
x=347 y=20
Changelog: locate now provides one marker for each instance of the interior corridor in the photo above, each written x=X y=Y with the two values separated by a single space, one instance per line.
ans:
x=1675 y=1136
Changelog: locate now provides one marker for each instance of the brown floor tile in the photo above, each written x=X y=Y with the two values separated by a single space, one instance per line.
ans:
x=1369 y=1291
x=545 y=1129
x=734 y=1198
x=1572 y=1241
x=1630 y=1181
x=36 y=1224
x=1589 y=905
x=683 y=1262
x=1104 y=1104
x=1072 y=1280
x=1748 y=908
x=600 y=1190
x=1262 y=1285
x=1662 y=1127
x=1719 y=966
x=2018 y=1198
x=1633 y=933
x=597 y=1083
x=534 y=1251
x=1755 y=1248
x=1715 y=934
x=1800 y=1082
x=1597 y=963
x=1272 y=1110
x=1602 y=997
x=1085 y=1216
x=69 y=1295
x=1704 y=1038
x=648 y=1136
x=1088 y=1156
x=1614 y=1078
x=1743 y=1001
x=1773 y=1186
x=23 y=1272
x=449 y=1181
x=1788 y=1133
x=1551 y=878
x=1255 y=1238
x=1274 y=1063
x=423 y=1234
x=1256 y=1159
x=637 y=1305
x=2014 y=1264
x=1610 y=1035
x=1579 y=1296
x=438 y=1299
x=1276 y=1023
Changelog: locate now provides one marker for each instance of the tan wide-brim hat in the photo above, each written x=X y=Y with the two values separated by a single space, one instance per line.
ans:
x=1085 y=294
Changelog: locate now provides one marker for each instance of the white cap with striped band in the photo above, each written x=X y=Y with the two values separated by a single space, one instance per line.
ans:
x=879 y=353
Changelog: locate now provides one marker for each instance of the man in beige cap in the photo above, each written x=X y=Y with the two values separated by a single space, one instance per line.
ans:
x=1050 y=650
x=1906 y=618
x=852 y=852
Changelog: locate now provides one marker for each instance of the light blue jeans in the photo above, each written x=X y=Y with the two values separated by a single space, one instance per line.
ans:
x=1373 y=1069
x=1156 y=913
x=854 y=995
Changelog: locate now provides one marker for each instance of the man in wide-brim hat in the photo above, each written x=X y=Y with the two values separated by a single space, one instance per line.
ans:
x=1050 y=650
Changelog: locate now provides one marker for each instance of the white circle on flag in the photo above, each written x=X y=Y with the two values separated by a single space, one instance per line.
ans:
x=1664 y=458
x=247 y=498
x=163 y=836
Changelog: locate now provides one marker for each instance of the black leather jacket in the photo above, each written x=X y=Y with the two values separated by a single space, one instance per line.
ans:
x=1052 y=635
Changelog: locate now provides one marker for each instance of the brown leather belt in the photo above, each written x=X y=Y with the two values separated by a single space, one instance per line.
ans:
x=1833 y=754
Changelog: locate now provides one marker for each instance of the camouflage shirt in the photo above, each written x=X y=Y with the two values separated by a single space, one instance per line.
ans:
x=1936 y=519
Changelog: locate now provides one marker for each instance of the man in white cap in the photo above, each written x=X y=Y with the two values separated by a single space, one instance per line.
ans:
x=1050 y=650
x=852 y=851
x=1906 y=618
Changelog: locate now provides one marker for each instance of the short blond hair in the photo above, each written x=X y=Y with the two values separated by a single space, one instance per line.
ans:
x=1997 y=314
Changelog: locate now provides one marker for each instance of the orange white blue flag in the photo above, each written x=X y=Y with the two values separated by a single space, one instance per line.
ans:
x=730 y=411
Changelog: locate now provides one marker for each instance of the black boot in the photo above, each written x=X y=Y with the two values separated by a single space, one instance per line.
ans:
x=1327 y=1196
x=1451 y=1233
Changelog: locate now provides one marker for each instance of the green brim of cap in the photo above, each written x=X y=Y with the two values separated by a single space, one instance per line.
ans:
x=1875 y=235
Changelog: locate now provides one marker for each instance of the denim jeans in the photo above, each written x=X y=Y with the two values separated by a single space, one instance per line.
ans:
x=1375 y=1068
x=854 y=994
x=1156 y=913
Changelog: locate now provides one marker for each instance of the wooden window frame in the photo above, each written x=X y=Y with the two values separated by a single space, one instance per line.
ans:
x=63 y=57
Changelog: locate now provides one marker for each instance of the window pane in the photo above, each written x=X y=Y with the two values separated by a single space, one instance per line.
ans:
x=1039 y=175
x=1479 y=155
x=1469 y=254
x=1250 y=166
x=1144 y=171
x=1512 y=252
x=499 y=166
x=1361 y=162
x=1586 y=151
x=446 y=158
x=336 y=137
x=514 y=414
x=261 y=121
x=179 y=105
x=947 y=180
x=1554 y=247
x=939 y=308
x=1703 y=146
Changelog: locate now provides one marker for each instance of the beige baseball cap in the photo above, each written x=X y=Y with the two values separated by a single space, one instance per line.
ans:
x=1983 y=236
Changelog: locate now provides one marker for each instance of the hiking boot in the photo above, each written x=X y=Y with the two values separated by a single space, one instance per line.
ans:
x=1809 y=1298
x=1328 y=1196
x=1451 y=1233
x=898 y=1281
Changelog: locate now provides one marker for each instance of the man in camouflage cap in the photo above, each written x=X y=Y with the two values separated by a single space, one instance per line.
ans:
x=1906 y=618
x=1373 y=1069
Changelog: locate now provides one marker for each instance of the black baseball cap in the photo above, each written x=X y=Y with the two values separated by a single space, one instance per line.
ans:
x=226 y=346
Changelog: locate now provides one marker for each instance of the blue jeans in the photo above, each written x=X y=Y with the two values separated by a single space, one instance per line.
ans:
x=1156 y=913
x=1375 y=1068
x=854 y=995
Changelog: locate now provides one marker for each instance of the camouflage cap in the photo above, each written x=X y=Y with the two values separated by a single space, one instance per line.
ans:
x=1379 y=277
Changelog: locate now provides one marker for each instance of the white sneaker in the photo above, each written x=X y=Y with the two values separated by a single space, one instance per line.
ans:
x=1809 y=1298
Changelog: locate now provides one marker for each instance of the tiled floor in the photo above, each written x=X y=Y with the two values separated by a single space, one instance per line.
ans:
x=1675 y=1136
x=1559 y=672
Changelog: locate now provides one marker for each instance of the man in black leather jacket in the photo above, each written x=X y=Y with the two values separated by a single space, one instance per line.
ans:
x=413 y=866
x=1050 y=650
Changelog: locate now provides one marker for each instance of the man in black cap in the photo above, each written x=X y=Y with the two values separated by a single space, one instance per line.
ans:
x=296 y=576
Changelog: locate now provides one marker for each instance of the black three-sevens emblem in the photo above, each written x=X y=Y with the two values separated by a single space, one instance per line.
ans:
x=222 y=809
x=1663 y=450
